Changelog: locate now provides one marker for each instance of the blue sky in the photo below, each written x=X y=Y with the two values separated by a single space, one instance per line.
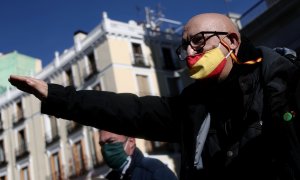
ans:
x=38 y=28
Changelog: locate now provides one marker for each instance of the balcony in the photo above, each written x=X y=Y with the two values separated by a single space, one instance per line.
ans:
x=18 y=121
x=139 y=61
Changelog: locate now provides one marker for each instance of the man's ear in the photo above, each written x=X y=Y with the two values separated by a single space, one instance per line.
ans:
x=130 y=146
x=234 y=40
x=131 y=142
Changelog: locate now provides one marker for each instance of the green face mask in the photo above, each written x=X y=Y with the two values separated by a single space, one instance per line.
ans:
x=114 y=154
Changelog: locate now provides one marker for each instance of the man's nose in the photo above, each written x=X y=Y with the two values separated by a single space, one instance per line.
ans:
x=190 y=51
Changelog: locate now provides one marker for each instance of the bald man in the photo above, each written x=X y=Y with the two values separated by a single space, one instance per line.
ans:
x=229 y=122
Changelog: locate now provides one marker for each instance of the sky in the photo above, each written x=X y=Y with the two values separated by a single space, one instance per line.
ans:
x=38 y=28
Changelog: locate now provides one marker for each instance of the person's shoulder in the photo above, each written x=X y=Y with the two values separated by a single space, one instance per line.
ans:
x=268 y=53
x=152 y=162
x=275 y=64
x=278 y=53
x=157 y=168
x=272 y=58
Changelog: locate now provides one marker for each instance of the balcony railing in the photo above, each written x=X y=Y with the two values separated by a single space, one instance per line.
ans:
x=139 y=60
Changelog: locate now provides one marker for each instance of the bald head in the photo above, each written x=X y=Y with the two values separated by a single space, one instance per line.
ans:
x=209 y=22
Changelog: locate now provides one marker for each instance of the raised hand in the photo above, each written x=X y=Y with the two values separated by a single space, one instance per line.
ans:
x=37 y=87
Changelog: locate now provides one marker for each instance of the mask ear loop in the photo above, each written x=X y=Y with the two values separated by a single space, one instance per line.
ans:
x=227 y=47
x=234 y=57
x=229 y=54
x=127 y=162
x=126 y=142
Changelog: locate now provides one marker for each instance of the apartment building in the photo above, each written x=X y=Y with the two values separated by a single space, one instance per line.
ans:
x=115 y=56
x=16 y=63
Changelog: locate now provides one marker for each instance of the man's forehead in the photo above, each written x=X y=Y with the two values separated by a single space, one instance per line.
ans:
x=191 y=31
x=194 y=28
x=107 y=135
x=206 y=22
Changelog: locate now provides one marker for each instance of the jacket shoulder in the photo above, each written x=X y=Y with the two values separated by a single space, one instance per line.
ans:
x=151 y=164
x=158 y=169
x=274 y=64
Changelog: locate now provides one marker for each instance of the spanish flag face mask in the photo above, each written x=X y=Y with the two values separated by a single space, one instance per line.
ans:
x=207 y=65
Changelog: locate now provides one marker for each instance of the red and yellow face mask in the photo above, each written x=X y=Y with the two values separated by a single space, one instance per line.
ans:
x=207 y=65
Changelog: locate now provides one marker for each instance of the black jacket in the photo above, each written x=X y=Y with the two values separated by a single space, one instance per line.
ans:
x=243 y=105
x=143 y=168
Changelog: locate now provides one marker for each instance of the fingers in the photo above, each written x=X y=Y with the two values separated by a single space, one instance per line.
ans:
x=20 y=82
x=37 y=87
x=14 y=79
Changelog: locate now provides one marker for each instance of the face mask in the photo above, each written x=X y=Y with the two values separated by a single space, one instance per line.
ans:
x=114 y=154
x=207 y=65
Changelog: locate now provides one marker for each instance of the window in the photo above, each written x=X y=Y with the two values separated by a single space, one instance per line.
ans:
x=51 y=129
x=143 y=85
x=54 y=127
x=69 y=77
x=22 y=144
x=97 y=156
x=21 y=138
x=138 y=55
x=92 y=68
x=55 y=166
x=167 y=56
x=18 y=115
x=2 y=153
x=1 y=122
x=19 y=111
x=173 y=86
x=97 y=87
x=78 y=156
x=24 y=174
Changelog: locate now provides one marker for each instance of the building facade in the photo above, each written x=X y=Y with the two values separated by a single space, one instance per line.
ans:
x=16 y=63
x=277 y=26
x=115 y=56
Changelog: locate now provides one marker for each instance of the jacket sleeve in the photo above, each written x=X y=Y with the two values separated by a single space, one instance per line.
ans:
x=281 y=77
x=148 y=117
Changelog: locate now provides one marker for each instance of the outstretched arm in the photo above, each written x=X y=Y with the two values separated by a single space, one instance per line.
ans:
x=37 y=87
x=121 y=113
